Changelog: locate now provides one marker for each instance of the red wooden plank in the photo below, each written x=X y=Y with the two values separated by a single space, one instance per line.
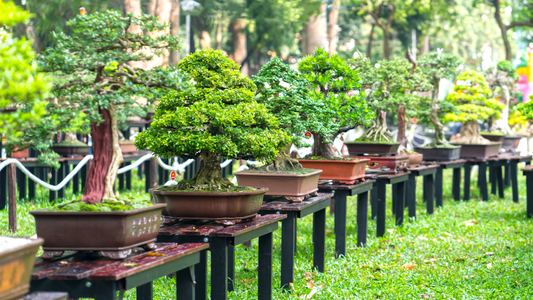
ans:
x=368 y=180
x=285 y=205
x=241 y=228
x=174 y=229
x=202 y=230
x=146 y=261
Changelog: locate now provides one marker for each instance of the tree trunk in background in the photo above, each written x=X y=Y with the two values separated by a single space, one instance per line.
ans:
x=322 y=148
x=163 y=10
x=239 y=43
x=370 y=40
x=219 y=34
x=503 y=30
x=440 y=140
x=424 y=45
x=386 y=44
x=402 y=128
x=314 y=32
x=205 y=39
x=150 y=8
x=332 y=27
x=134 y=7
x=470 y=134
x=175 y=30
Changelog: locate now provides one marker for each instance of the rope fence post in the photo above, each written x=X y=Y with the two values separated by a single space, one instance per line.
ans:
x=12 y=197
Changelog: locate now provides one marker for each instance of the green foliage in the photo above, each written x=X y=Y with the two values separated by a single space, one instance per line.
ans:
x=22 y=87
x=284 y=93
x=97 y=73
x=506 y=66
x=472 y=95
x=218 y=114
x=526 y=109
x=332 y=81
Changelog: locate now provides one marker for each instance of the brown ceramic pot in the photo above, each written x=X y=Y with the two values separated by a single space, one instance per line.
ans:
x=440 y=154
x=480 y=151
x=71 y=150
x=293 y=186
x=225 y=208
x=387 y=164
x=344 y=171
x=20 y=153
x=510 y=143
x=16 y=265
x=494 y=137
x=114 y=234
x=127 y=147
x=356 y=149
x=415 y=159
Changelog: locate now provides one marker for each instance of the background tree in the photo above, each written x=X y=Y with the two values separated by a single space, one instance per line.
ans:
x=502 y=80
x=217 y=117
x=284 y=92
x=98 y=83
x=437 y=66
x=472 y=96
x=22 y=88
x=332 y=81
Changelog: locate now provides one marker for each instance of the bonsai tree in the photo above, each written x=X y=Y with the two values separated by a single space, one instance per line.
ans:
x=436 y=66
x=98 y=81
x=285 y=94
x=333 y=82
x=502 y=81
x=216 y=117
x=391 y=82
x=22 y=88
x=471 y=95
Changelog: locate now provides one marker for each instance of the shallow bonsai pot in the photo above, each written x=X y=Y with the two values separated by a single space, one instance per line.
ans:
x=225 y=208
x=415 y=159
x=16 y=265
x=386 y=164
x=20 y=153
x=440 y=154
x=510 y=143
x=71 y=150
x=494 y=137
x=355 y=148
x=114 y=234
x=127 y=147
x=480 y=151
x=293 y=186
x=344 y=171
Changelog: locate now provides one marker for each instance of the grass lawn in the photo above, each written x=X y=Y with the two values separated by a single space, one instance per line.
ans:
x=466 y=250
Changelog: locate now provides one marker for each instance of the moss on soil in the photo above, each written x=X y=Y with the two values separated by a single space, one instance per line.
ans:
x=233 y=189
x=295 y=171
x=364 y=140
x=340 y=158
x=440 y=147
x=491 y=133
x=104 y=206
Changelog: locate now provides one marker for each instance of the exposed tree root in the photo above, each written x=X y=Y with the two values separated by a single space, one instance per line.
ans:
x=470 y=134
x=209 y=176
x=378 y=131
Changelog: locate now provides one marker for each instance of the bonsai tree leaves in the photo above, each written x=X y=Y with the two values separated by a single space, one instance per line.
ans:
x=216 y=117
x=436 y=66
x=22 y=87
x=472 y=97
x=284 y=93
x=333 y=82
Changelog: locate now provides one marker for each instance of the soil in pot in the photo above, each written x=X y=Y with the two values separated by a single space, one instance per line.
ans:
x=440 y=153
x=493 y=136
x=344 y=169
x=17 y=256
x=225 y=207
x=294 y=185
x=112 y=227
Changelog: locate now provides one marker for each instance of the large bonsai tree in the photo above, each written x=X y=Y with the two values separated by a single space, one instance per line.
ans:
x=502 y=80
x=471 y=95
x=97 y=81
x=332 y=81
x=437 y=66
x=22 y=88
x=285 y=93
x=217 y=117
x=392 y=83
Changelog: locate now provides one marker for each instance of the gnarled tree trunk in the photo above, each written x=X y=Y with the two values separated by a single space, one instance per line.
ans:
x=322 y=148
x=440 y=140
x=284 y=161
x=470 y=134
x=402 y=128
x=378 y=130
x=209 y=175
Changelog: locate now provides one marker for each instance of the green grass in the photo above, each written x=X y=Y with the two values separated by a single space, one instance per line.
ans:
x=466 y=250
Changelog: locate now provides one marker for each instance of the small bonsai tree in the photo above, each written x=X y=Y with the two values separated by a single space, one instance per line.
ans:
x=332 y=81
x=98 y=81
x=392 y=83
x=217 y=117
x=285 y=94
x=22 y=88
x=437 y=66
x=502 y=80
x=471 y=95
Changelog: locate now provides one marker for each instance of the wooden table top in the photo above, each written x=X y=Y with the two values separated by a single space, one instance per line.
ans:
x=286 y=205
x=85 y=265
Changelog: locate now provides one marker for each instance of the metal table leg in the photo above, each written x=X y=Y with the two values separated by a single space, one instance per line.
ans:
x=145 y=291
x=429 y=195
x=411 y=195
x=200 y=270
x=483 y=181
x=219 y=269
x=438 y=187
x=400 y=203
x=319 y=240
x=362 y=218
x=185 y=284
x=456 y=184
x=513 y=170
x=340 y=222
x=381 y=207
x=265 y=266
x=287 y=250
x=466 y=189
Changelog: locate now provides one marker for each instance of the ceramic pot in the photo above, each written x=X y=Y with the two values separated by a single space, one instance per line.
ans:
x=127 y=147
x=20 y=153
x=480 y=151
x=386 y=164
x=440 y=154
x=356 y=149
x=293 y=186
x=225 y=208
x=494 y=137
x=415 y=159
x=510 y=143
x=114 y=233
x=16 y=265
x=344 y=171
x=71 y=150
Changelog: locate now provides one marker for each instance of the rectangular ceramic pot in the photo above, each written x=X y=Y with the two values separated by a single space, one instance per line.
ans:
x=16 y=265
x=387 y=164
x=510 y=143
x=71 y=150
x=20 y=153
x=344 y=171
x=294 y=185
x=98 y=231
x=494 y=137
x=415 y=159
x=440 y=154
x=127 y=147
x=356 y=149
x=225 y=208
x=479 y=151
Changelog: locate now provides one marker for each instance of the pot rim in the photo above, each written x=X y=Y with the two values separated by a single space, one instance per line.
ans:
x=32 y=243
x=41 y=212
x=260 y=190
x=372 y=143
x=491 y=144
x=281 y=175
x=356 y=161
x=457 y=146
x=70 y=146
